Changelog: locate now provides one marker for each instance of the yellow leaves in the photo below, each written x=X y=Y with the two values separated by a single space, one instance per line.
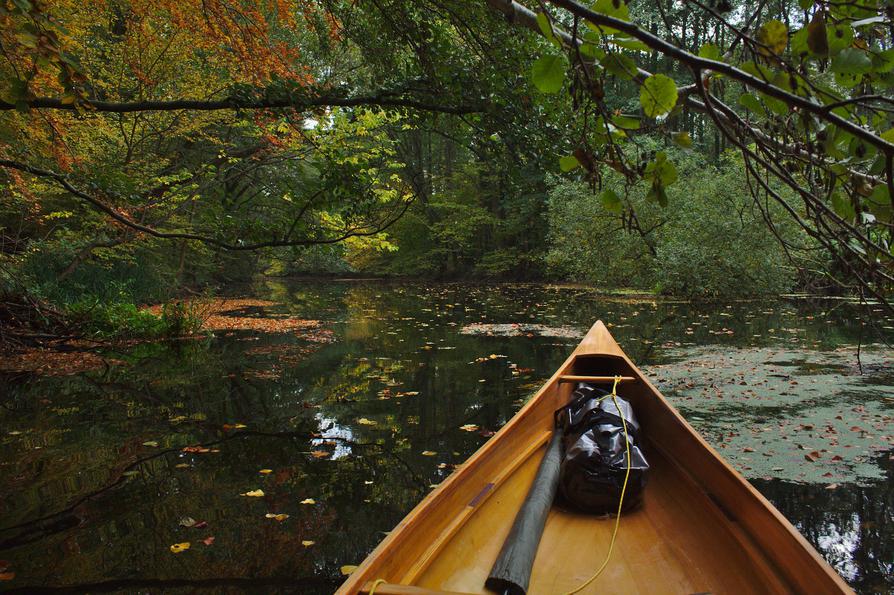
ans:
x=265 y=471
x=319 y=454
x=308 y=501
x=254 y=494
x=469 y=428
x=179 y=547
x=347 y=569
x=428 y=453
x=279 y=517
x=366 y=422
x=307 y=543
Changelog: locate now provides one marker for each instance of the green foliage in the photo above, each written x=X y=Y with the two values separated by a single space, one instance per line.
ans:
x=711 y=242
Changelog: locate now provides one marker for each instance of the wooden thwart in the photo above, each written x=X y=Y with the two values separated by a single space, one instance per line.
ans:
x=595 y=379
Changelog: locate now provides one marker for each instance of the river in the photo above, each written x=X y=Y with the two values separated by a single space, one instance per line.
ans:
x=279 y=460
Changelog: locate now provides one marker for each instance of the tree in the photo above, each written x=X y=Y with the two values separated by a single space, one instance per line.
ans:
x=802 y=90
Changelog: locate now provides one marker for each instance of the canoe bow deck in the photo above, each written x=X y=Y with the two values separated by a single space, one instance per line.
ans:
x=702 y=527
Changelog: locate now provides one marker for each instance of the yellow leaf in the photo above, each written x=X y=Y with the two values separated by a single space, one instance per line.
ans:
x=366 y=422
x=265 y=471
x=428 y=453
x=254 y=493
x=469 y=427
x=307 y=543
x=279 y=517
x=348 y=569
x=180 y=547
x=150 y=443
x=308 y=501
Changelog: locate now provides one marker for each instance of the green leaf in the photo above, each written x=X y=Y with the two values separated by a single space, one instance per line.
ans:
x=805 y=4
x=683 y=139
x=839 y=37
x=888 y=135
x=752 y=104
x=548 y=73
x=774 y=35
x=626 y=122
x=777 y=106
x=661 y=171
x=629 y=43
x=657 y=194
x=842 y=206
x=568 y=162
x=711 y=52
x=851 y=61
x=620 y=65
x=613 y=8
x=547 y=30
x=610 y=200
x=658 y=95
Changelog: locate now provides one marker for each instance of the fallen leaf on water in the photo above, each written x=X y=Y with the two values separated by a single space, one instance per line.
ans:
x=308 y=501
x=181 y=465
x=180 y=547
x=200 y=525
x=348 y=569
x=7 y=576
x=366 y=422
x=187 y=522
x=319 y=454
x=208 y=540
x=234 y=426
x=428 y=453
x=150 y=443
x=253 y=493
x=469 y=428
x=307 y=543
x=265 y=471
x=279 y=517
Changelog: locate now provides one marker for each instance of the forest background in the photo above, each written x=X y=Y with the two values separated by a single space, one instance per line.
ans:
x=151 y=150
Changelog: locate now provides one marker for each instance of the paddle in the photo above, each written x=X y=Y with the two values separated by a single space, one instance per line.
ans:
x=511 y=572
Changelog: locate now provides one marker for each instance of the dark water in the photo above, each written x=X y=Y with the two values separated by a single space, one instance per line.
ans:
x=94 y=483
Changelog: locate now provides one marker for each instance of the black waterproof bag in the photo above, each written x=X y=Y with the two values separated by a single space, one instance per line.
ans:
x=595 y=460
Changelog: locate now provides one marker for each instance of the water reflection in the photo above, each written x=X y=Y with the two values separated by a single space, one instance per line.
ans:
x=94 y=481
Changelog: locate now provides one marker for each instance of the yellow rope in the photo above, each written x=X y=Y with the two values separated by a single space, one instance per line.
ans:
x=376 y=583
x=611 y=544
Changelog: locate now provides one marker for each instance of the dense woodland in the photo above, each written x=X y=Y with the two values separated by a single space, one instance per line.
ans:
x=697 y=148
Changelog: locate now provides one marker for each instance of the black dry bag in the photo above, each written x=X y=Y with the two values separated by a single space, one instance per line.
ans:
x=595 y=460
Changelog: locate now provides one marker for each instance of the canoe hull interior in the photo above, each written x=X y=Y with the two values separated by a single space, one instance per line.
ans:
x=701 y=527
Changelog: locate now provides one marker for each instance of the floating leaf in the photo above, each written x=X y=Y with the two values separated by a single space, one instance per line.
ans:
x=469 y=428
x=428 y=453
x=208 y=540
x=254 y=494
x=150 y=443
x=7 y=576
x=279 y=517
x=308 y=501
x=187 y=522
x=307 y=543
x=367 y=422
x=265 y=471
x=319 y=454
x=180 y=547
x=348 y=569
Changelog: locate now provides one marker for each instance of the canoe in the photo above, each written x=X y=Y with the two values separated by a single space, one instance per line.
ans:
x=701 y=528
